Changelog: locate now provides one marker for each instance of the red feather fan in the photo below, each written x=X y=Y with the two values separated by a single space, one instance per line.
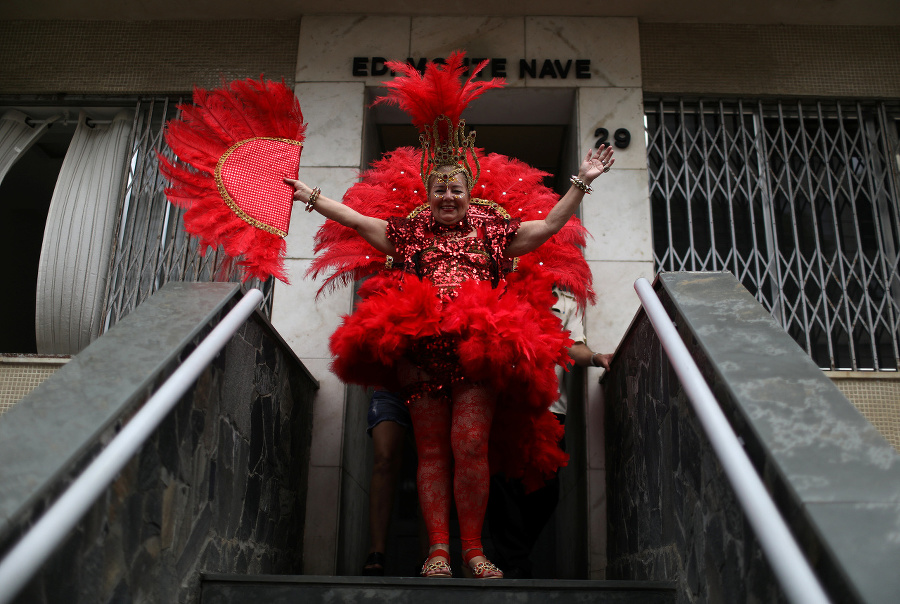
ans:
x=234 y=145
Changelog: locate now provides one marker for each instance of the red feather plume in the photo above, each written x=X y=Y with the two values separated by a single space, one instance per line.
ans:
x=439 y=91
x=249 y=219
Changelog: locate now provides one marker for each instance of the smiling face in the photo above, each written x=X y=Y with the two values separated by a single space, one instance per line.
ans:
x=448 y=197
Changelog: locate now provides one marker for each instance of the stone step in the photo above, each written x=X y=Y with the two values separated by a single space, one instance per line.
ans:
x=284 y=589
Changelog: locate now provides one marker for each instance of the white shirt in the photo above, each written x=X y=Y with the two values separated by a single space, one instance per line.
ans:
x=566 y=308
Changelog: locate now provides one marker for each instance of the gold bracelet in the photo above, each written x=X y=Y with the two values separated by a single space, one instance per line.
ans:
x=581 y=185
x=313 y=197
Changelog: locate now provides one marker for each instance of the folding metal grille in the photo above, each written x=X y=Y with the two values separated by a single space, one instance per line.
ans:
x=151 y=246
x=799 y=200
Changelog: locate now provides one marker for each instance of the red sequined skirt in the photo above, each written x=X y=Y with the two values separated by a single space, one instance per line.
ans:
x=507 y=338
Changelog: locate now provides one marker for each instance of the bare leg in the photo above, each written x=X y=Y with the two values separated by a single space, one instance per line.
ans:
x=387 y=443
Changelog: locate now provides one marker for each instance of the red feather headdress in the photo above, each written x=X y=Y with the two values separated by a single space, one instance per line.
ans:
x=395 y=186
x=435 y=101
x=234 y=145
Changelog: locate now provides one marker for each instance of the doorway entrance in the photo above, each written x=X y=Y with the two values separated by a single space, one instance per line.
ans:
x=537 y=127
x=532 y=125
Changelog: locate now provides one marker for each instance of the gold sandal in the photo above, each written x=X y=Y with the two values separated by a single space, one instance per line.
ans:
x=482 y=570
x=439 y=569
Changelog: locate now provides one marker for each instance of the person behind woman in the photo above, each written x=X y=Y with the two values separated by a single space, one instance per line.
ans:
x=388 y=424
x=425 y=328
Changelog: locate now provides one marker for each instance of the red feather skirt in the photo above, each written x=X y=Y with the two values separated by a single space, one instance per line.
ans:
x=508 y=338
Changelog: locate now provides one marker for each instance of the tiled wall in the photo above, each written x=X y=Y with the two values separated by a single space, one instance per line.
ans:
x=131 y=57
x=856 y=62
x=877 y=398
x=19 y=377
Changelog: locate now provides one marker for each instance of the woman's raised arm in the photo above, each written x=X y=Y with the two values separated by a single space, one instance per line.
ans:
x=533 y=233
x=373 y=230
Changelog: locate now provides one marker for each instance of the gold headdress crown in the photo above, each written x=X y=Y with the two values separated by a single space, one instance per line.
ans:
x=435 y=101
x=451 y=148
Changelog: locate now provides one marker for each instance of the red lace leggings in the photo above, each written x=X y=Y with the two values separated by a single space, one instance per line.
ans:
x=452 y=444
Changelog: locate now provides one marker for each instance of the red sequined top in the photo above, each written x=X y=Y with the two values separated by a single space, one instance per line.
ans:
x=448 y=255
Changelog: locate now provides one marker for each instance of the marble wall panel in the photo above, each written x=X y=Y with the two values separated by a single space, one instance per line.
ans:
x=334 y=114
x=605 y=324
x=356 y=468
x=617 y=215
x=595 y=421
x=612 y=45
x=597 y=524
x=614 y=108
x=328 y=45
x=480 y=37
x=354 y=530
x=304 y=322
x=321 y=527
x=334 y=182
x=333 y=103
x=356 y=445
x=306 y=325
x=328 y=415
x=617 y=302
x=595 y=442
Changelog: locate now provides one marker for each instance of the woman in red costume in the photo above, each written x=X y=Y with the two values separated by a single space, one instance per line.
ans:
x=466 y=336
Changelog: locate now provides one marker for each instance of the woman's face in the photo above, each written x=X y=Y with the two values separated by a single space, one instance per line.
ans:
x=449 y=199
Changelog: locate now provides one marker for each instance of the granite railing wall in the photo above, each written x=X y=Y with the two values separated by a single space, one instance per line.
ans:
x=219 y=487
x=672 y=513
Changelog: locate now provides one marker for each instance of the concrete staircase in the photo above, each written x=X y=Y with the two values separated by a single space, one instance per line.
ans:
x=284 y=589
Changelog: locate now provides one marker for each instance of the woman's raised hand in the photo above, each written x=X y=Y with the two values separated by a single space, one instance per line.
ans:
x=302 y=191
x=596 y=163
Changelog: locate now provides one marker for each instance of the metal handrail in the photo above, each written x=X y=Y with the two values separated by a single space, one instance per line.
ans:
x=785 y=558
x=24 y=560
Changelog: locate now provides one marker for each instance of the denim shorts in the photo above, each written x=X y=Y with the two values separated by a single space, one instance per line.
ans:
x=387 y=406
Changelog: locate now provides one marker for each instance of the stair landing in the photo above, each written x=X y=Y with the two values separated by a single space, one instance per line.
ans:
x=284 y=589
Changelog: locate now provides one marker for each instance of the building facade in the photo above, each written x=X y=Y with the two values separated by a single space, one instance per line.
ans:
x=573 y=80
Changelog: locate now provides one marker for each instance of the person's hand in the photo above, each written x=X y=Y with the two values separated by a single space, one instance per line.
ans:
x=302 y=191
x=600 y=359
x=596 y=163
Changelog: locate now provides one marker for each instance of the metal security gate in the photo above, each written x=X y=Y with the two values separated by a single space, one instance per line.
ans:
x=800 y=201
x=151 y=246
